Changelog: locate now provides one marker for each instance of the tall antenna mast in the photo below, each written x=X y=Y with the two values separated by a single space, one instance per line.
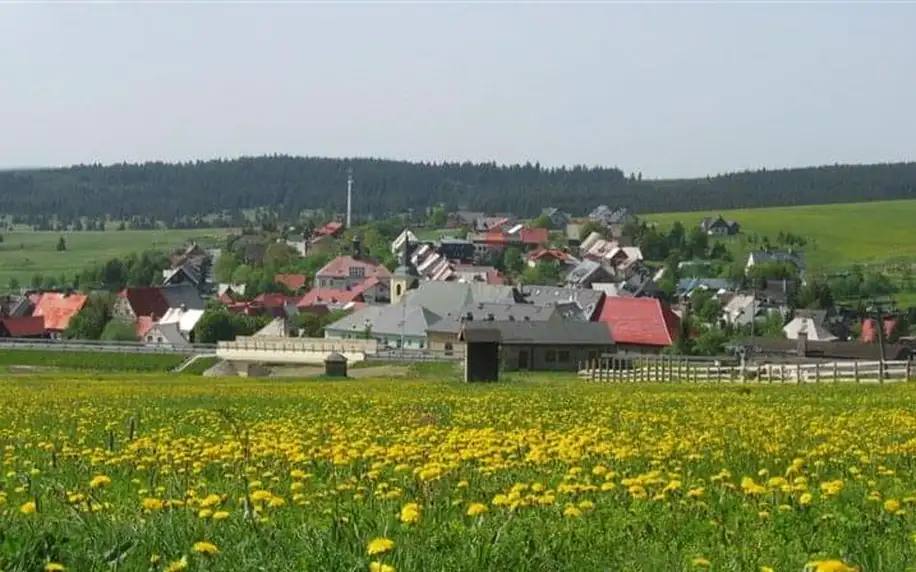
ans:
x=349 y=197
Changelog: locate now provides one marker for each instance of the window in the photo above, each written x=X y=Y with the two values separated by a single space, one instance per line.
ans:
x=449 y=349
x=398 y=290
x=563 y=356
x=399 y=343
x=421 y=344
x=550 y=356
x=357 y=272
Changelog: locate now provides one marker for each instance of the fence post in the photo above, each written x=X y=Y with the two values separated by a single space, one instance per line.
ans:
x=817 y=372
x=645 y=368
x=836 y=372
x=855 y=370
x=782 y=373
x=909 y=368
x=881 y=370
x=798 y=374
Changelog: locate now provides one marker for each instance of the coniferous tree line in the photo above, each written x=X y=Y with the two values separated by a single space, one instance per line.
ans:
x=220 y=192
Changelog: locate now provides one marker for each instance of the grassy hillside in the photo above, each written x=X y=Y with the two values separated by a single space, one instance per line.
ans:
x=26 y=253
x=838 y=235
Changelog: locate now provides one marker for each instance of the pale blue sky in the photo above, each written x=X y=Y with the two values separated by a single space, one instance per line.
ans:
x=666 y=89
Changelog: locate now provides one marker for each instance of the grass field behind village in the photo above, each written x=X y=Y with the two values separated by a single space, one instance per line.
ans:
x=24 y=253
x=838 y=235
x=147 y=473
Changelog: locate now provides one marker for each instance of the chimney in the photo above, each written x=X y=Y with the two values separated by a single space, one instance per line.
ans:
x=801 y=339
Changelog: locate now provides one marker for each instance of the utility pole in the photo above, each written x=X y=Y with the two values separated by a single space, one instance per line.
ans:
x=349 y=198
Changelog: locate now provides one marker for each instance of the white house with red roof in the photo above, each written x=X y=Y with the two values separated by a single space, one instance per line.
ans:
x=348 y=271
x=642 y=325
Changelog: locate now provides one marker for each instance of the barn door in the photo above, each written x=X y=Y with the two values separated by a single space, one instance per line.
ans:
x=523 y=359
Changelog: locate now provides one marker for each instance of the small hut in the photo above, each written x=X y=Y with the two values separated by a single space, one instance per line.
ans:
x=481 y=354
x=335 y=365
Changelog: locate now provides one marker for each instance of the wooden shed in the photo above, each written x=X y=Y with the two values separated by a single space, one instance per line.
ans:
x=481 y=355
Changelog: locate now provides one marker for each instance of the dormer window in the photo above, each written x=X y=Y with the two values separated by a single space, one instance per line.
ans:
x=357 y=272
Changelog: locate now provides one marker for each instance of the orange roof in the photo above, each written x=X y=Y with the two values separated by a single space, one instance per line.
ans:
x=534 y=235
x=639 y=321
x=291 y=281
x=324 y=296
x=57 y=309
x=548 y=253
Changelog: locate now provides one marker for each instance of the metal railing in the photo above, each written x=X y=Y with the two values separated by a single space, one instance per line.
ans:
x=101 y=346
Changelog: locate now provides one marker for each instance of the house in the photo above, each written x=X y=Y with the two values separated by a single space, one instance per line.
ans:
x=443 y=298
x=613 y=219
x=323 y=300
x=277 y=328
x=869 y=333
x=810 y=323
x=686 y=286
x=558 y=218
x=464 y=218
x=775 y=257
x=474 y=273
x=187 y=273
x=185 y=318
x=183 y=295
x=167 y=335
x=456 y=250
x=497 y=223
x=533 y=237
x=550 y=255
x=587 y=273
x=587 y=301
x=57 y=308
x=23 y=327
x=299 y=243
x=293 y=282
x=277 y=305
x=133 y=302
x=406 y=235
x=718 y=226
x=545 y=345
x=443 y=334
x=398 y=326
x=640 y=325
x=741 y=310
x=12 y=306
x=332 y=229
x=347 y=271
x=230 y=291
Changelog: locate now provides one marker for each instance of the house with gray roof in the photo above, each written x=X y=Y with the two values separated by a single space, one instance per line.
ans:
x=395 y=326
x=445 y=297
x=586 y=273
x=543 y=346
x=587 y=300
x=443 y=335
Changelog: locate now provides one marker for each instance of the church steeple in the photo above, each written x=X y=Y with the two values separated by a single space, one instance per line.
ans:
x=405 y=276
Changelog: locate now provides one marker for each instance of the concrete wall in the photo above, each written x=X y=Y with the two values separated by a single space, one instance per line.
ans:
x=269 y=349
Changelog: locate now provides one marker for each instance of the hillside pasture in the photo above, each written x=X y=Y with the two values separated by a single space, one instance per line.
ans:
x=25 y=253
x=840 y=235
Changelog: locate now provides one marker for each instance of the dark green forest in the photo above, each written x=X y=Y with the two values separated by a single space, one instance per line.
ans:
x=180 y=194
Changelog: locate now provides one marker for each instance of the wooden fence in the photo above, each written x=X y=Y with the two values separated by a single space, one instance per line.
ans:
x=646 y=369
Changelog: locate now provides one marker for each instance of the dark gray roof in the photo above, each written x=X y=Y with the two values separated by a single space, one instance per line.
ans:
x=586 y=298
x=560 y=332
x=607 y=215
x=500 y=312
x=186 y=294
x=443 y=298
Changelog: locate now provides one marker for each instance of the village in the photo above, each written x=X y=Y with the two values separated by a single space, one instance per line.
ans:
x=560 y=291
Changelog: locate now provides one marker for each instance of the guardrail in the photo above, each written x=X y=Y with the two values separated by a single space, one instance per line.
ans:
x=100 y=346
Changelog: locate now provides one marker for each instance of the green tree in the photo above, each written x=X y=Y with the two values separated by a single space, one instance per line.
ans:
x=697 y=243
x=512 y=261
x=544 y=273
x=437 y=217
x=119 y=330
x=14 y=284
x=225 y=266
x=214 y=325
x=542 y=221
x=90 y=322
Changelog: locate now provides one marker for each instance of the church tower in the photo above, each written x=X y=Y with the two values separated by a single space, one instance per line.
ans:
x=405 y=276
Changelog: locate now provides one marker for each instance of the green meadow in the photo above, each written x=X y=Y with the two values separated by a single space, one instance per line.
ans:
x=874 y=233
x=24 y=253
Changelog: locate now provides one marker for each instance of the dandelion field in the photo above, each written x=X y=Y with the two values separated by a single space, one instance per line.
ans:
x=175 y=474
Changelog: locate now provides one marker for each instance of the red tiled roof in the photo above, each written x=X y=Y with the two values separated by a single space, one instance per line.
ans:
x=292 y=281
x=57 y=309
x=323 y=296
x=365 y=285
x=340 y=268
x=24 y=327
x=534 y=235
x=146 y=300
x=548 y=253
x=870 y=334
x=639 y=321
x=495 y=237
x=330 y=229
x=274 y=300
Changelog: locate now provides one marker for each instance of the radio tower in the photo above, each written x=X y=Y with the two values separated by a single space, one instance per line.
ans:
x=349 y=197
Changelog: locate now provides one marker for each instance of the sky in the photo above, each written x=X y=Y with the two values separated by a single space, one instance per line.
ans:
x=665 y=89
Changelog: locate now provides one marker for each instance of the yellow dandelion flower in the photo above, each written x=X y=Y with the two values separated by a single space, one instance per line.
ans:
x=28 y=508
x=204 y=547
x=54 y=567
x=379 y=546
x=572 y=512
x=177 y=565
x=701 y=563
x=220 y=515
x=829 y=566
x=99 y=481
x=805 y=499
x=410 y=513
x=380 y=567
x=476 y=509
x=892 y=506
